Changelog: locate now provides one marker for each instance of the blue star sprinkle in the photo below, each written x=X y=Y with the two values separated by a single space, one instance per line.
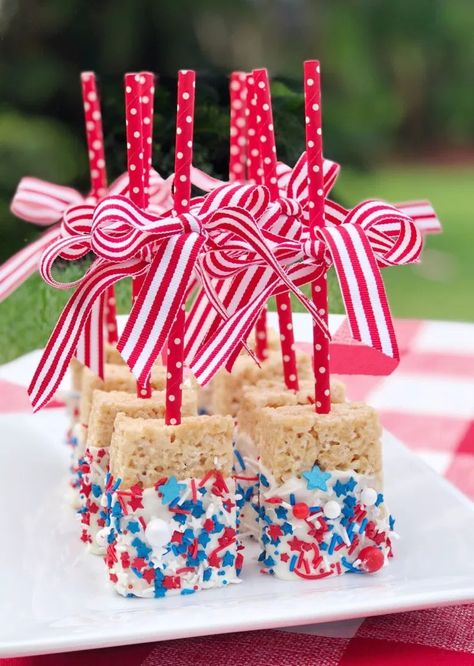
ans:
x=228 y=559
x=281 y=512
x=133 y=526
x=316 y=478
x=286 y=528
x=350 y=485
x=171 y=490
x=141 y=548
x=339 y=488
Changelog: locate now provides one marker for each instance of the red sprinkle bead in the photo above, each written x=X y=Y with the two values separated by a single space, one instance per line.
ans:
x=371 y=558
x=301 y=510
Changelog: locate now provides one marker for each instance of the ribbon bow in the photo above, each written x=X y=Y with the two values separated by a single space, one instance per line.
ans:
x=208 y=346
x=228 y=220
x=123 y=237
x=358 y=243
x=45 y=204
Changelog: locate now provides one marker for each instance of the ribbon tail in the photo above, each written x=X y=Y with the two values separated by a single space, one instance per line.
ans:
x=220 y=349
x=362 y=288
x=158 y=303
x=90 y=348
x=423 y=215
x=65 y=337
x=24 y=263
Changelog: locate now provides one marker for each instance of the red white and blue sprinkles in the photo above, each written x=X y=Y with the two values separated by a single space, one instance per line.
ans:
x=175 y=538
x=324 y=524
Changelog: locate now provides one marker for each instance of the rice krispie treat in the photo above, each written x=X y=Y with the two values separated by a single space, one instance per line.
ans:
x=171 y=506
x=111 y=355
x=205 y=393
x=266 y=393
x=95 y=464
x=228 y=387
x=116 y=378
x=322 y=509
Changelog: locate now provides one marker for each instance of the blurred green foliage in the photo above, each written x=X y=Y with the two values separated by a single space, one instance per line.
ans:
x=397 y=79
x=397 y=85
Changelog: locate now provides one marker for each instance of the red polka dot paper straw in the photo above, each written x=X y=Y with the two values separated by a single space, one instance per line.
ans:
x=98 y=176
x=314 y=154
x=238 y=131
x=135 y=132
x=94 y=134
x=255 y=175
x=267 y=149
x=182 y=194
x=254 y=161
x=147 y=106
x=139 y=104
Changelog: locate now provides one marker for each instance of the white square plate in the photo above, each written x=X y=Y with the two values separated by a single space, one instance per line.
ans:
x=55 y=596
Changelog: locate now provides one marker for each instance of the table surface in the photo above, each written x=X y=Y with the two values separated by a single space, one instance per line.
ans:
x=429 y=405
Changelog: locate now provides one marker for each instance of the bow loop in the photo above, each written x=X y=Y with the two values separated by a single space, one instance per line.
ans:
x=402 y=246
x=41 y=202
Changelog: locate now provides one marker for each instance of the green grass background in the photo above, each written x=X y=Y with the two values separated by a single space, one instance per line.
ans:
x=441 y=287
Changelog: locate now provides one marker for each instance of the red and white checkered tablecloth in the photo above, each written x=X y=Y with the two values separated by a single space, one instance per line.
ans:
x=428 y=403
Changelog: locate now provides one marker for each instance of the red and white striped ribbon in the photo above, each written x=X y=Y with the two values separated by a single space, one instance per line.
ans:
x=238 y=130
x=114 y=225
x=348 y=246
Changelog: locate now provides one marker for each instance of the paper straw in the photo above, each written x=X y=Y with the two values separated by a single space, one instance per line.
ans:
x=238 y=126
x=182 y=195
x=267 y=148
x=255 y=175
x=98 y=176
x=314 y=154
x=135 y=131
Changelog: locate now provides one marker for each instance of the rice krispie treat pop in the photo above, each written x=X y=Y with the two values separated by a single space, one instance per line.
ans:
x=228 y=388
x=116 y=378
x=111 y=356
x=208 y=404
x=322 y=509
x=266 y=393
x=95 y=463
x=171 y=506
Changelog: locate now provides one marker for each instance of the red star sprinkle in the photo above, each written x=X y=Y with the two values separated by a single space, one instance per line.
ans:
x=208 y=525
x=138 y=563
x=177 y=537
x=85 y=537
x=86 y=489
x=125 y=560
x=149 y=575
x=135 y=502
x=284 y=557
x=275 y=531
x=171 y=582
x=296 y=544
x=93 y=508
x=113 y=577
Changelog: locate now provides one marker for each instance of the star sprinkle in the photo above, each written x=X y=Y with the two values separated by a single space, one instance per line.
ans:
x=171 y=490
x=316 y=478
